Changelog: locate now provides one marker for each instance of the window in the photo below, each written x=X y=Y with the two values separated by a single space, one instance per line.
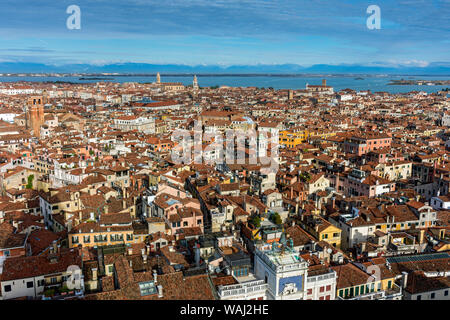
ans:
x=419 y=297
x=309 y=291
x=322 y=289
x=433 y=295
x=328 y=287
x=446 y=293
x=185 y=223
x=7 y=253
x=199 y=221
x=7 y=288
x=30 y=284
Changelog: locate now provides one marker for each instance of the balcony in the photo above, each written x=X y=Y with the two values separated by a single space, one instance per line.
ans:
x=394 y=293
x=236 y=290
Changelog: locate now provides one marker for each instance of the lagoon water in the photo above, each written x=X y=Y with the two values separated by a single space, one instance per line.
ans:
x=339 y=82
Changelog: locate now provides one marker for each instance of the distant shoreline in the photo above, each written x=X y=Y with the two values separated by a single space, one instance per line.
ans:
x=419 y=82
x=287 y=75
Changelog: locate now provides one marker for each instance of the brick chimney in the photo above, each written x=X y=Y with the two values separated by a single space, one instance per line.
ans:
x=94 y=274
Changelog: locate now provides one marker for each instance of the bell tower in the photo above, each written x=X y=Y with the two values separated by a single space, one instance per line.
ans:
x=35 y=116
x=195 y=83
x=158 y=78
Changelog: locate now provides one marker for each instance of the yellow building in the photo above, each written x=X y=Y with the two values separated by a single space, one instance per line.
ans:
x=112 y=229
x=154 y=178
x=321 y=134
x=322 y=230
x=292 y=139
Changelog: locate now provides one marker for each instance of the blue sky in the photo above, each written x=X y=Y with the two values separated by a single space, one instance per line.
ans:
x=226 y=32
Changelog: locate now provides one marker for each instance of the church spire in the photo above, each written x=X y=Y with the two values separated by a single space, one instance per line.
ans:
x=195 y=83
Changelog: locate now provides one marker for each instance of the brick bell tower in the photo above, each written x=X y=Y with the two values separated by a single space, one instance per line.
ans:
x=35 y=116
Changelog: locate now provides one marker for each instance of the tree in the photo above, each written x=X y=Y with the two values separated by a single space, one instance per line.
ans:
x=30 y=181
x=255 y=220
x=305 y=176
x=275 y=218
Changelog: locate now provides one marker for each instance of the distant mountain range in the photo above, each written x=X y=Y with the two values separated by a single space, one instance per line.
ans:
x=140 y=68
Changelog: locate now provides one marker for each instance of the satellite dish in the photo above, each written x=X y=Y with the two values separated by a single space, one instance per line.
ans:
x=329 y=250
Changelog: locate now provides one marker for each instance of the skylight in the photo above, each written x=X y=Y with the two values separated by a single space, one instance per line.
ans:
x=147 y=288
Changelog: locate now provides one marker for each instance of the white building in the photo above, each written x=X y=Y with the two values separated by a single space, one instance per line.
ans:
x=141 y=124
x=440 y=203
x=284 y=271
x=251 y=290
x=321 y=284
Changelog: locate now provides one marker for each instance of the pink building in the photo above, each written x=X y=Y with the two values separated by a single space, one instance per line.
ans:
x=178 y=213
x=383 y=155
x=357 y=183
x=362 y=144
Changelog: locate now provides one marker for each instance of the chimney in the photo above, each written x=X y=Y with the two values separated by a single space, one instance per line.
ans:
x=324 y=82
x=422 y=236
x=160 y=291
x=155 y=276
x=94 y=274
x=404 y=279
x=197 y=255
x=54 y=247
